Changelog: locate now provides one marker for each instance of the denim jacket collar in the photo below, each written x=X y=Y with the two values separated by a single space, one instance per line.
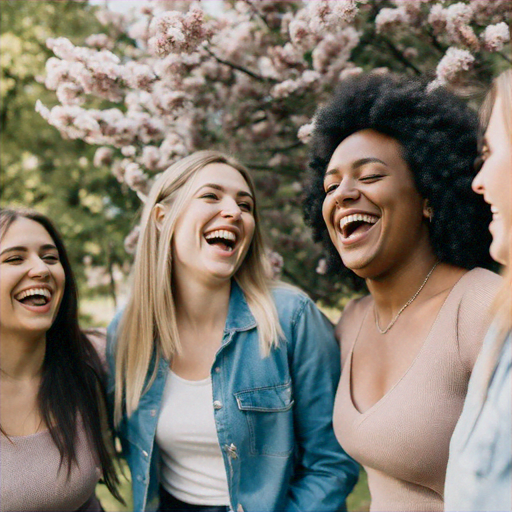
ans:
x=239 y=315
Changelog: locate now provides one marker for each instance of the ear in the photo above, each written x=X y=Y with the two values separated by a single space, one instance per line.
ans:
x=428 y=212
x=159 y=212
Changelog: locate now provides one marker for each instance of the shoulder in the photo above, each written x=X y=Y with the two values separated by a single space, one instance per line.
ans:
x=352 y=315
x=478 y=287
x=290 y=301
x=480 y=279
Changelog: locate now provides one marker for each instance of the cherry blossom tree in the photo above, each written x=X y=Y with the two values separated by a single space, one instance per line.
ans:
x=174 y=78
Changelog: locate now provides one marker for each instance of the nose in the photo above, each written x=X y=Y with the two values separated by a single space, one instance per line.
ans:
x=477 y=184
x=346 y=192
x=231 y=210
x=39 y=269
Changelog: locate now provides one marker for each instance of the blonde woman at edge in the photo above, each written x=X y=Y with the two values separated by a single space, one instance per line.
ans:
x=224 y=383
x=479 y=475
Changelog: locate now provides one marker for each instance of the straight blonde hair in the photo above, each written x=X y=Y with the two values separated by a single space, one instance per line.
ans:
x=502 y=305
x=148 y=329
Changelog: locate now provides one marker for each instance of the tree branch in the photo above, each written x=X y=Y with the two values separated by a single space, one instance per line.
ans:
x=237 y=67
x=399 y=55
x=505 y=57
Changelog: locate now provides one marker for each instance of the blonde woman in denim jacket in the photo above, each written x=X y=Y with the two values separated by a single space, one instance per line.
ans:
x=223 y=382
x=479 y=475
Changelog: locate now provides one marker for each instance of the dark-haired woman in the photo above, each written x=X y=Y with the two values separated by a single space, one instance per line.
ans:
x=51 y=384
x=390 y=194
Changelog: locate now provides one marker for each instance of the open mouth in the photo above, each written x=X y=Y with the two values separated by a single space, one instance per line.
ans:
x=34 y=297
x=222 y=238
x=356 y=224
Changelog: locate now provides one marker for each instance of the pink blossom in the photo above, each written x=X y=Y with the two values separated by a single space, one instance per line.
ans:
x=438 y=18
x=150 y=157
x=70 y=94
x=103 y=156
x=350 y=71
x=100 y=41
x=454 y=62
x=135 y=177
x=321 y=267
x=174 y=32
x=129 y=151
x=131 y=241
x=139 y=76
x=305 y=132
x=276 y=262
x=388 y=19
x=496 y=36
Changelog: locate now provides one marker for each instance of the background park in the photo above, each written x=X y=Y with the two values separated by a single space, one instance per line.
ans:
x=98 y=98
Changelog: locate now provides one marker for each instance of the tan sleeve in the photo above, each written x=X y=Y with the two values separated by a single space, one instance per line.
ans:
x=475 y=315
x=98 y=339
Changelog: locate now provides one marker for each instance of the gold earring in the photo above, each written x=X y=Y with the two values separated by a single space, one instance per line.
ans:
x=429 y=213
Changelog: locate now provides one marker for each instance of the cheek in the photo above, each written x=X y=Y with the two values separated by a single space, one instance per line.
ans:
x=327 y=208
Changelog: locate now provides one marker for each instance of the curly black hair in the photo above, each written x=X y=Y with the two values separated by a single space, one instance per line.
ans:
x=438 y=134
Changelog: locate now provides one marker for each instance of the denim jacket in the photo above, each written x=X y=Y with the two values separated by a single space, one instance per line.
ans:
x=479 y=474
x=273 y=415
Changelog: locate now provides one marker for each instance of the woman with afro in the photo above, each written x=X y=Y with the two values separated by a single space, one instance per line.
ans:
x=390 y=196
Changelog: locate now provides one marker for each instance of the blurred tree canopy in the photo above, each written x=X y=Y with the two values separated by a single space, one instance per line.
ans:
x=150 y=89
x=38 y=168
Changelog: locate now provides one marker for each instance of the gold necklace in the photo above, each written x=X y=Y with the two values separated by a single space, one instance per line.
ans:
x=408 y=303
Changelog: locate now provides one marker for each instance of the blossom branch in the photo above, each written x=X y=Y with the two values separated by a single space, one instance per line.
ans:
x=237 y=67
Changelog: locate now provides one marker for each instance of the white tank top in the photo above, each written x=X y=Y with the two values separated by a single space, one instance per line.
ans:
x=192 y=468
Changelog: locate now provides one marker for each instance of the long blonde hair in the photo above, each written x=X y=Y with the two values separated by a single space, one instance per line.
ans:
x=502 y=305
x=148 y=327
x=502 y=87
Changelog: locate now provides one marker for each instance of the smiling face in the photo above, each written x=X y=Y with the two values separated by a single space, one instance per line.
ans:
x=494 y=181
x=31 y=279
x=373 y=212
x=213 y=234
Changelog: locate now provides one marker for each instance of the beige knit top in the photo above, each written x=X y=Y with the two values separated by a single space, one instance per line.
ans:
x=30 y=480
x=402 y=440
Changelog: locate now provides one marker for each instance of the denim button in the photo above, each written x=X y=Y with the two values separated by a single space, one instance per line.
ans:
x=217 y=369
x=231 y=451
x=152 y=412
x=217 y=404
x=145 y=453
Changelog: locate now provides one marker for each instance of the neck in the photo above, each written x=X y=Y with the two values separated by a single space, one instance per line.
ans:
x=21 y=356
x=199 y=306
x=392 y=291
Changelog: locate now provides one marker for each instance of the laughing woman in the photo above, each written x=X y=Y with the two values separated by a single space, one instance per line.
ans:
x=390 y=194
x=51 y=380
x=224 y=384
x=479 y=476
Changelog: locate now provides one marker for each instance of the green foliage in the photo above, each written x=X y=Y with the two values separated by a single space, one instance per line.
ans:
x=41 y=170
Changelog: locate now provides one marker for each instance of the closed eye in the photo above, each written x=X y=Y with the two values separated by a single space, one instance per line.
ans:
x=209 y=195
x=331 y=188
x=246 y=207
x=14 y=259
x=370 y=178
x=51 y=258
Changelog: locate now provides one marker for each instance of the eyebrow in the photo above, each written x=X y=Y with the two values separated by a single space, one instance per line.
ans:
x=21 y=248
x=358 y=163
x=241 y=193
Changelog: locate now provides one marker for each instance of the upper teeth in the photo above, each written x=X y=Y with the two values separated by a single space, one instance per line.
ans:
x=34 y=291
x=221 y=233
x=371 y=219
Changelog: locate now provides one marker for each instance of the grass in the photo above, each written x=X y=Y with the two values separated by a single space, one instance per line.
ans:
x=358 y=501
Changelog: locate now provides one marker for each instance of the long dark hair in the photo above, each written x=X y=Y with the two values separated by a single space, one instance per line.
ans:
x=73 y=380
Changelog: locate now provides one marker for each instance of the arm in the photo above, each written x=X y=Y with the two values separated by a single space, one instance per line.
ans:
x=324 y=474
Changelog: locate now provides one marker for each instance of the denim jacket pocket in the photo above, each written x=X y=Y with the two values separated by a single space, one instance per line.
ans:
x=269 y=414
